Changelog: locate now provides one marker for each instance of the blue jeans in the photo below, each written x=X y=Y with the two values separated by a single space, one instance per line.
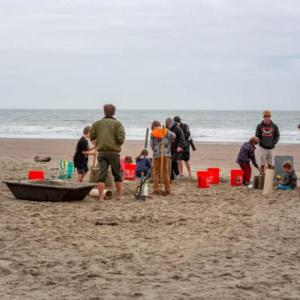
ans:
x=284 y=187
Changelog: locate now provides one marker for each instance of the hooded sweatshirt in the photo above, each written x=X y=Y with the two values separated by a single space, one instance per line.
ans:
x=246 y=154
x=268 y=135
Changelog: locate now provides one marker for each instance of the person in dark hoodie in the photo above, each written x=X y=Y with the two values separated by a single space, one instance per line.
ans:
x=247 y=154
x=177 y=146
x=268 y=134
x=185 y=154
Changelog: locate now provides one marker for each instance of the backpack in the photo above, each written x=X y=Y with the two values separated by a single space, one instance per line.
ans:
x=186 y=131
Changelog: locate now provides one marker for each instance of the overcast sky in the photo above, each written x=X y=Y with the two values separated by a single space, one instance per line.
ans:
x=169 y=54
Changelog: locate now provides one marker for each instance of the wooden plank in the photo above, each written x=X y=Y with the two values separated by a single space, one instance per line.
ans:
x=268 y=186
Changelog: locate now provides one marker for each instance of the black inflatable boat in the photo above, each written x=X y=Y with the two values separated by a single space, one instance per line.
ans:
x=49 y=190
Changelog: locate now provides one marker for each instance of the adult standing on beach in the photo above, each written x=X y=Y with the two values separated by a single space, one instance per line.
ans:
x=185 y=154
x=268 y=134
x=176 y=147
x=108 y=136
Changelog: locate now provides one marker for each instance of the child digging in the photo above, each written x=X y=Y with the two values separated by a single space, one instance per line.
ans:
x=289 y=181
x=160 y=143
x=247 y=154
x=81 y=155
x=143 y=164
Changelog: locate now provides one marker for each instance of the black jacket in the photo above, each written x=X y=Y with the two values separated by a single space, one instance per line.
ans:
x=81 y=160
x=268 y=135
x=179 y=140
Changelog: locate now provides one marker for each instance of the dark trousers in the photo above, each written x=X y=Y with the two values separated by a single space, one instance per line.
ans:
x=111 y=159
x=246 y=167
x=174 y=165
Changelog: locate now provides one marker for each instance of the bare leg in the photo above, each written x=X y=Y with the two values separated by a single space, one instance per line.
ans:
x=119 y=190
x=188 y=167
x=180 y=167
x=101 y=187
x=80 y=177
x=94 y=159
x=262 y=170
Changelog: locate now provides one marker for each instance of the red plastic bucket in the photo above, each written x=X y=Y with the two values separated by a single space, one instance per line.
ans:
x=215 y=178
x=237 y=177
x=129 y=171
x=204 y=178
x=36 y=175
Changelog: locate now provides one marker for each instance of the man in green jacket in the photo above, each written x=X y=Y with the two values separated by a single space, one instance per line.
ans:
x=108 y=136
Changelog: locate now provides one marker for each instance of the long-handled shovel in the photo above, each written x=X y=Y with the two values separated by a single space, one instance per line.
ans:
x=139 y=190
x=161 y=161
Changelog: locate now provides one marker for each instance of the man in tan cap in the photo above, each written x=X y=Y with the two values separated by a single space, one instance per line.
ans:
x=268 y=134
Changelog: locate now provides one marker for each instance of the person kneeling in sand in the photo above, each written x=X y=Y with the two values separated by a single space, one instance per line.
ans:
x=247 y=154
x=160 y=143
x=108 y=135
x=289 y=180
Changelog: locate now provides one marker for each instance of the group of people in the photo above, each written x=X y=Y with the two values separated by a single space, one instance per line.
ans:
x=170 y=144
x=267 y=136
x=171 y=151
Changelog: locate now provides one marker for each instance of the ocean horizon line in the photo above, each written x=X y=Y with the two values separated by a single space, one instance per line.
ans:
x=146 y=109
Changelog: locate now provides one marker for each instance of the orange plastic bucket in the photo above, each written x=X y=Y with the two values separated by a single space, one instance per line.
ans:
x=36 y=175
x=237 y=177
x=203 y=179
x=129 y=171
x=215 y=178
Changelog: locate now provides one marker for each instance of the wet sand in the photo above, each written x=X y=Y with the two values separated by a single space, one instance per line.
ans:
x=221 y=155
x=221 y=243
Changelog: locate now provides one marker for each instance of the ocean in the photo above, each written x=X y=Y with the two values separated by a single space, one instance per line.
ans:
x=206 y=126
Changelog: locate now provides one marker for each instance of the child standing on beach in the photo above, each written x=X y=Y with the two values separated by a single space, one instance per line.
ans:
x=143 y=164
x=81 y=154
x=247 y=154
x=289 y=181
x=160 y=143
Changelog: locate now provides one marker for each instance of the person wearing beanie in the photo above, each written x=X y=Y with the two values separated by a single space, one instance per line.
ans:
x=185 y=154
x=177 y=146
x=268 y=134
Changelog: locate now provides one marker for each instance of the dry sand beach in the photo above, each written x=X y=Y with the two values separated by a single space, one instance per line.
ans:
x=221 y=243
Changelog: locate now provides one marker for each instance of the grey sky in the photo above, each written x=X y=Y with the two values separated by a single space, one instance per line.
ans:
x=188 y=54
